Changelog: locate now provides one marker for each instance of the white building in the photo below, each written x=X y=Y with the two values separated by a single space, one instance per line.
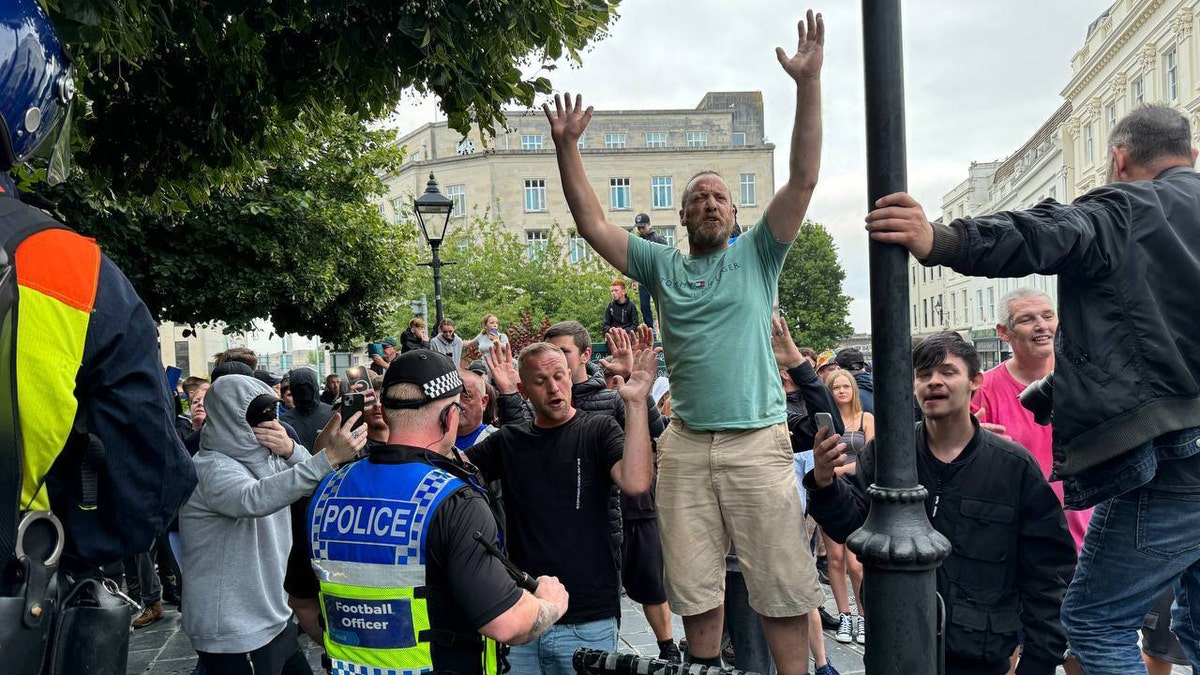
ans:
x=1137 y=51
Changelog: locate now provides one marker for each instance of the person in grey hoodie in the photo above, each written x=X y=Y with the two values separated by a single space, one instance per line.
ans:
x=235 y=530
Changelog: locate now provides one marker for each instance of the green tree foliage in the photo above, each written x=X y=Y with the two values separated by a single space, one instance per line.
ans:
x=303 y=245
x=493 y=274
x=810 y=290
x=186 y=98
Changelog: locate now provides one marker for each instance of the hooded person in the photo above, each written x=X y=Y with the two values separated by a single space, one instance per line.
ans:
x=235 y=530
x=310 y=414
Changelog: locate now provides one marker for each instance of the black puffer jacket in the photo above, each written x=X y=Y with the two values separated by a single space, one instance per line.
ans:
x=1012 y=557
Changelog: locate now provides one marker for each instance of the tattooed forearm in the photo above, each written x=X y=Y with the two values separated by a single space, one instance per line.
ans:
x=546 y=616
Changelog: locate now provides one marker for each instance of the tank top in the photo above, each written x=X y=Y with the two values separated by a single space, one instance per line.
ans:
x=855 y=441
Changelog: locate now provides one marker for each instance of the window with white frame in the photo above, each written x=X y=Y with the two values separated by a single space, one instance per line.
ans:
x=531 y=141
x=1110 y=115
x=749 y=196
x=458 y=195
x=662 y=192
x=1171 y=59
x=578 y=247
x=398 y=210
x=656 y=139
x=614 y=141
x=1137 y=91
x=979 y=301
x=738 y=139
x=697 y=139
x=966 y=308
x=668 y=233
x=535 y=195
x=536 y=242
x=1089 y=146
x=618 y=194
x=991 y=304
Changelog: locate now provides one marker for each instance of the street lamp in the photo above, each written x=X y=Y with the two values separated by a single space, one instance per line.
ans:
x=437 y=208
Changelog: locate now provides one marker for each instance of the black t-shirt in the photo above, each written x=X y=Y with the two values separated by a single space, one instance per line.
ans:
x=556 y=485
x=471 y=586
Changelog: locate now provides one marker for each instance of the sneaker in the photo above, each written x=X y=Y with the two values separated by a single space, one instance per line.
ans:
x=828 y=621
x=845 y=631
x=826 y=669
x=860 y=630
x=670 y=652
x=149 y=615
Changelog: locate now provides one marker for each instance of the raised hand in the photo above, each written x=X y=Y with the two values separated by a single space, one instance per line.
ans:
x=568 y=120
x=272 y=436
x=810 y=52
x=787 y=355
x=643 y=337
x=499 y=361
x=344 y=442
x=637 y=386
x=620 y=353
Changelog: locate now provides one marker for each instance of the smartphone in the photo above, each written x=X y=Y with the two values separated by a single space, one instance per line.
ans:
x=352 y=403
x=357 y=375
x=825 y=420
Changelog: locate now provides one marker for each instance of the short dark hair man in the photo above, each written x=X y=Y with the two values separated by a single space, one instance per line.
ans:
x=645 y=231
x=1012 y=552
x=1126 y=385
x=556 y=471
x=403 y=522
x=332 y=390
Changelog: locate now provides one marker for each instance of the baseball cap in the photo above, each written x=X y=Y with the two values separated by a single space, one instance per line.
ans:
x=477 y=366
x=851 y=358
x=641 y=219
x=826 y=358
x=436 y=375
x=389 y=341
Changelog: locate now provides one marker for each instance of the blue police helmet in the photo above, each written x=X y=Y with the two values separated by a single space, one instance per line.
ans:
x=37 y=81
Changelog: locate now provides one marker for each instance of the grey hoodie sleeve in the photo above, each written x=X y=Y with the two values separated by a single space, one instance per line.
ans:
x=230 y=490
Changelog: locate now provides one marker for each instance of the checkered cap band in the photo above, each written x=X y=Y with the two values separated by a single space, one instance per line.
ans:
x=443 y=385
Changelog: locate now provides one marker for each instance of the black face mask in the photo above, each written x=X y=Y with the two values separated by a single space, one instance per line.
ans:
x=262 y=409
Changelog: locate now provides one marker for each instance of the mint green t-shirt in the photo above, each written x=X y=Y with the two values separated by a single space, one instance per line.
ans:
x=716 y=328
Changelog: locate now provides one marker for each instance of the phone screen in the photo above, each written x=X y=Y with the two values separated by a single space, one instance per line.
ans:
x=825 y=420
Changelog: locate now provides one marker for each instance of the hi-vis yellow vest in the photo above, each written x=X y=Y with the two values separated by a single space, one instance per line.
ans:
x=57 y=273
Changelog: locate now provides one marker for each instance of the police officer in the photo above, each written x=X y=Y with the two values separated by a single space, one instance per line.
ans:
x=406 y=584
x=91 y=469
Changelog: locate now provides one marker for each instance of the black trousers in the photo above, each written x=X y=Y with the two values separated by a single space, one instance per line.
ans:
x=279 y=656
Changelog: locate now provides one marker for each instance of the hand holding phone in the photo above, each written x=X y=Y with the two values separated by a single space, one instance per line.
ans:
x=354 y=403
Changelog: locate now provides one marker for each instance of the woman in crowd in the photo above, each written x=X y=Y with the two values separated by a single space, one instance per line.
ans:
x=414 y=337
x=489 y=335
x=860 y=429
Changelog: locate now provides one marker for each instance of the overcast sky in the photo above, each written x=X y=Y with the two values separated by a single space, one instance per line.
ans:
x=981 y=77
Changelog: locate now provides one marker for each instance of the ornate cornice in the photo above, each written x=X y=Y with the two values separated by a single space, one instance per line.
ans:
x=1090 y=71
x=1073 y=128
x=1182 y=24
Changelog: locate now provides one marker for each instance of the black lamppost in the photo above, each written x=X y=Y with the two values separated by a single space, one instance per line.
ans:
x=899 y=549
x=437 y=207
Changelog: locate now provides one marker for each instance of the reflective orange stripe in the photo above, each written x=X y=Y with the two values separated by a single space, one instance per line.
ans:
x=62 y=265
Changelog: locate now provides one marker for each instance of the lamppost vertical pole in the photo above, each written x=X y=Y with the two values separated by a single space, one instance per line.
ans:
x=899 y=549
x=436 y=264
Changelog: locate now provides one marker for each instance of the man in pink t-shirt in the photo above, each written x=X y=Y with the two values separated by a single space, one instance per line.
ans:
x=1028 y=323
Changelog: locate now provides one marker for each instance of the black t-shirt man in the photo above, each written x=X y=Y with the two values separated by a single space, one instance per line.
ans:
x=556 y=484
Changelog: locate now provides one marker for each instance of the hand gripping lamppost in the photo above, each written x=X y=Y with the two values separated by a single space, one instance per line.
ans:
x=897 y=545
x=437 y=207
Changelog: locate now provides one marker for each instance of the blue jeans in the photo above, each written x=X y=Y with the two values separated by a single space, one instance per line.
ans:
x=551 y=653
x=644 y=301
x=1138 y=544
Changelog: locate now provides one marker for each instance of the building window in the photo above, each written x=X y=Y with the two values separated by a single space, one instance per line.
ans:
x=954 y=308
x=697 y=139
x=1110 y=115
x=1089 y=150
x=580 y=144
x=1172 y=74
x=614 y=141
x=656 y=139
x=535 y=195
x=749 y=196
x=578 y=247
x=536 y=242
x=979 y=301
x=991 y=306
x=738 y=139
x=458 y=195
x=668 y=233
x=966 y=308
x=1137 y=91
x=182 y=361
x=415 y=156
x=618 y=194
x=531 y=141
x=398 y=210
x=662 y=193
x=925 y=311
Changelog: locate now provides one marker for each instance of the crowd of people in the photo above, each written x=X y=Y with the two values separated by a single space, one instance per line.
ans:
x=426 y=513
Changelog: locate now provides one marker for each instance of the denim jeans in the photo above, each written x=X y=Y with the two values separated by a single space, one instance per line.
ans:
x=644 y=301
x=1138 y=544
x=551 y=653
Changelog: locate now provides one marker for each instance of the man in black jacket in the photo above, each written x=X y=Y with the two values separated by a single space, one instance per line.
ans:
x=621 y=312
x=1126 y=382
x=1012 y=552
